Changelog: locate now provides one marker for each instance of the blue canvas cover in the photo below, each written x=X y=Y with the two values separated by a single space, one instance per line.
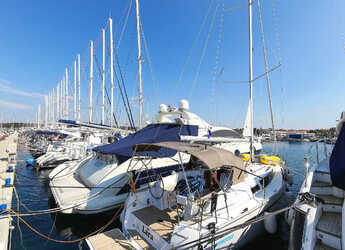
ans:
x=68 y=122
x=42 y=132
x=153 y=133
x=337 y=161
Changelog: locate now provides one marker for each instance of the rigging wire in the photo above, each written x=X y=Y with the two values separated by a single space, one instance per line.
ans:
x=125 y=25
x=204 y=50
x=215 y=72
x=194 y=43
x=154 y=82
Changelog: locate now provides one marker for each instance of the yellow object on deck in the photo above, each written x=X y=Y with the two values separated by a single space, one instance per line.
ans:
x=270 y=160
x=245 y=157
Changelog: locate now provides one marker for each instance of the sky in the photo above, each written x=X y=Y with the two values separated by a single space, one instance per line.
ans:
x=189 y=49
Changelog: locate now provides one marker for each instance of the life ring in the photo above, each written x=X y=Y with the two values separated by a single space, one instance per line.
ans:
x=270 y=160
x=245 y=157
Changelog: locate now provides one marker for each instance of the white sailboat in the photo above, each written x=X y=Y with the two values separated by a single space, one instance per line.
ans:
x=185 y=210
x=318 y=221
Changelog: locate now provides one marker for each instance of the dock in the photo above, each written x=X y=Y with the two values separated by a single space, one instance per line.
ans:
x=8 y=157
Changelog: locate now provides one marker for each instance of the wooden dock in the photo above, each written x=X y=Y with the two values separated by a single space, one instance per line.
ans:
x=8 y=156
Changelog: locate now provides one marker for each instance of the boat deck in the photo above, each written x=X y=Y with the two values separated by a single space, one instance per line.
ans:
x=330 y=223
x=331 y=199
x=112 y=239
x=161 y=221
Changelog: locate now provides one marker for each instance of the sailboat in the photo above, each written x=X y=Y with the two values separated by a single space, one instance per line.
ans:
x=204 y=204
x=318 y=220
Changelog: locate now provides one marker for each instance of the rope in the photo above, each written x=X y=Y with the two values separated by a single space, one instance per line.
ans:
x=66 y=241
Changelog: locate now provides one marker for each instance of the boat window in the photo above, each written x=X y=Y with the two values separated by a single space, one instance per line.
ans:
x=94 y=170
x=151 y=175
x=255 y=188
x=267 y=179
x=226 y=133
x=125 y=189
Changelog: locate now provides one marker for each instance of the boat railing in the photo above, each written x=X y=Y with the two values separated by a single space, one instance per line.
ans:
x=307 y=158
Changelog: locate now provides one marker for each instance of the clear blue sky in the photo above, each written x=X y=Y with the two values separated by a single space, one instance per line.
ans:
x=39 y=39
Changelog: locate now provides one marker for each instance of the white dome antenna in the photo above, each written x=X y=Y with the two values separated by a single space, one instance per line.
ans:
x=163 y=108
x=183 y=105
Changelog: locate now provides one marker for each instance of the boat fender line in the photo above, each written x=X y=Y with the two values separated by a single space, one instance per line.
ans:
x=132 y=184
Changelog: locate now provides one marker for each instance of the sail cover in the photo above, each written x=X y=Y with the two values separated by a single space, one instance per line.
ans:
x=153 y=133
x=337 y=161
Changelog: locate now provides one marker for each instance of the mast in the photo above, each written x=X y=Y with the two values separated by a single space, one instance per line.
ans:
x=91 y=80
x=57 y=101
x=38 y=115
x=103 y=77
x=111 y=72
x=139 y=65
x=67 y=99
x=266 y=71
x=53 y=106
x=250 y=3
x=62 y=102
x=78 y=87
x=46 y=110
x=75 y=91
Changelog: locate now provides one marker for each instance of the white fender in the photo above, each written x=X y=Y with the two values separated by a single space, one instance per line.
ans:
x=270 y=223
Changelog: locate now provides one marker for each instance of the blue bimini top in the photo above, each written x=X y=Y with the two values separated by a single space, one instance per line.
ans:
x=153 y=133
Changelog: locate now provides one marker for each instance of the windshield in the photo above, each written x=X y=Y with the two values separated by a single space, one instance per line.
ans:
x=94 y=170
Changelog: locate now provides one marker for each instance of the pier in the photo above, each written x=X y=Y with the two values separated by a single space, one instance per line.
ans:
x=8 y=155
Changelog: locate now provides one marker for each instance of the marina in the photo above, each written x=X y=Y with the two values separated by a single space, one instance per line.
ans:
x=71 y=227
x=172 y=125
x=8 y=158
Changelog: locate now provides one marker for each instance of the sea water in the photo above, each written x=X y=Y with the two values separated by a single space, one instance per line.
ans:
x=34 y=194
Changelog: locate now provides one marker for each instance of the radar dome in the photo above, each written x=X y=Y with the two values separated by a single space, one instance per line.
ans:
x=183 y=105
x=163 y=108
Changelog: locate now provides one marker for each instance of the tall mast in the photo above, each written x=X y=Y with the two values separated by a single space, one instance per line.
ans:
x=57 y=101
x=91 y=80
x=46 y=110
x=75 y=91
x=53 y=106
x=139 y=65
x=62 y=98
x=250 y=2
x=67 y=99
x=266 y=70
x=111 y=72
x=79 y=87
x=103 y=77
x=39 y=116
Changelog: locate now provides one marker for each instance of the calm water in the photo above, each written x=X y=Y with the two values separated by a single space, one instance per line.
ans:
x=33 y=191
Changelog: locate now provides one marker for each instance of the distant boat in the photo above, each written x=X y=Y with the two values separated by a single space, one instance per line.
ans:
x=298 y=137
